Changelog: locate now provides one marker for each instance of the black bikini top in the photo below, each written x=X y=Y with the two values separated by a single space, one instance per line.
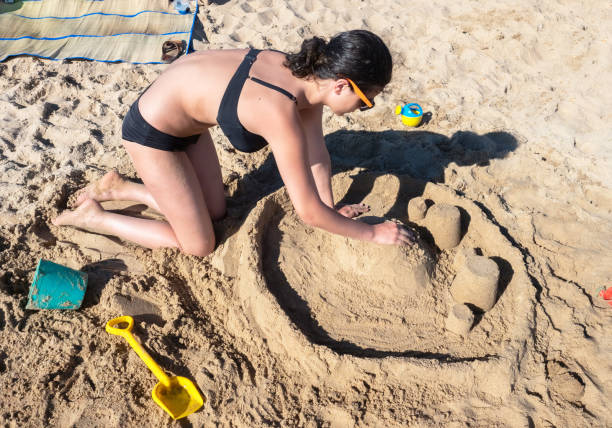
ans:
x=227 y=117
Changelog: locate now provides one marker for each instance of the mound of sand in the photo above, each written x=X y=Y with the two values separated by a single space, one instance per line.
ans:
x=342 y=290
x=291 y=292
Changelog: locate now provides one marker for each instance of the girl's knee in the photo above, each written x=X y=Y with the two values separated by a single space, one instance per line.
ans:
x=218 y=210
x=199 y=248
x=218 y=214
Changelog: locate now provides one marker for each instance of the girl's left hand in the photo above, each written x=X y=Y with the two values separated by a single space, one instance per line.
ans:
x=353 y=210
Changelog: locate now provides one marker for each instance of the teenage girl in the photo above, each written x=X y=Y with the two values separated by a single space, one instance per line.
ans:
x=258 y=98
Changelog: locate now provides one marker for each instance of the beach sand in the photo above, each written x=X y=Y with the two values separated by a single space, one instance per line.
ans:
x=284 y=325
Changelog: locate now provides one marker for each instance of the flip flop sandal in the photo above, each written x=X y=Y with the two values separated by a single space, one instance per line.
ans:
x=172 y=49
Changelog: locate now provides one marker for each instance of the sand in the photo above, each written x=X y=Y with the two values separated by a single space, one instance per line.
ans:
x=460 y=319
x=443 y=221
x=476 y=282
x=285 y=325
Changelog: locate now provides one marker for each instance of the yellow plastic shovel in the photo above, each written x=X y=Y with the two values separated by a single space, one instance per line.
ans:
x=177 y=395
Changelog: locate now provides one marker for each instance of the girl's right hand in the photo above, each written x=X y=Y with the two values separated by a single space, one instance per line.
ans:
x=392 y=233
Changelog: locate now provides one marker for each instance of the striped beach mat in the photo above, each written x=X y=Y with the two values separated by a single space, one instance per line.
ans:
x=101 y=30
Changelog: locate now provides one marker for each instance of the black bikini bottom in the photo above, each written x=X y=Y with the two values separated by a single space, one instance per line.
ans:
x=138 y=130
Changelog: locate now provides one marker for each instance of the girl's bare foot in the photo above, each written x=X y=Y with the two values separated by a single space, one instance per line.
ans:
x=102 y=190
x=85 y=216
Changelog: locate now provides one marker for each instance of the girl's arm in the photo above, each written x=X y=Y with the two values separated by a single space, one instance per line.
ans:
x=318 y=156
x=287 y=139
x=320 y=163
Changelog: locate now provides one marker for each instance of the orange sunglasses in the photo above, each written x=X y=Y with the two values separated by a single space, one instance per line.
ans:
x=368 y=104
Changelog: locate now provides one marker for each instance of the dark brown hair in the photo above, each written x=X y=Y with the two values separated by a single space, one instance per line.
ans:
x=358 y=54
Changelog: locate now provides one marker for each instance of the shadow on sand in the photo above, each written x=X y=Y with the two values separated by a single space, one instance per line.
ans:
x=422 y=155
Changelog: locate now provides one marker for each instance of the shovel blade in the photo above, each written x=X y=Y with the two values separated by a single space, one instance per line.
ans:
x=180 y=399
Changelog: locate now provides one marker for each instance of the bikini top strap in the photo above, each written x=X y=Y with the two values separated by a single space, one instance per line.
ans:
x=276 y=88
x=251 y=56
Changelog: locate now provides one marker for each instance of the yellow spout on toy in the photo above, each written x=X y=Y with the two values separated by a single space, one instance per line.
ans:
x=177 y=395
x=411 y=114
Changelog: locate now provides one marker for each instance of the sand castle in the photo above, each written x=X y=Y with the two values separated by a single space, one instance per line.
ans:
x=460 y=319
x=442 y=220
x=444 y=223
x=461 y=256
x=417 y=208
x=476 y=282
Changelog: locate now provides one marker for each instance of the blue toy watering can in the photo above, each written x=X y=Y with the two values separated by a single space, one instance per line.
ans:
x=411 y=114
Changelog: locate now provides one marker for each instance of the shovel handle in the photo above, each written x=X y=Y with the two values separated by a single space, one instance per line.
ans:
x=113 y=327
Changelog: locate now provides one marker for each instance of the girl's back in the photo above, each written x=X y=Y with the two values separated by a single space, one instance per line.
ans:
x=185 y=99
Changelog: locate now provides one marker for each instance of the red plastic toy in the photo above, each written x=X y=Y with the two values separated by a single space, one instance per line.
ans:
x=606 y=294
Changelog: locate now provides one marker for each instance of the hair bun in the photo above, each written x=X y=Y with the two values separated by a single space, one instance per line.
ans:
x=309 y=59
x=315 y=47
